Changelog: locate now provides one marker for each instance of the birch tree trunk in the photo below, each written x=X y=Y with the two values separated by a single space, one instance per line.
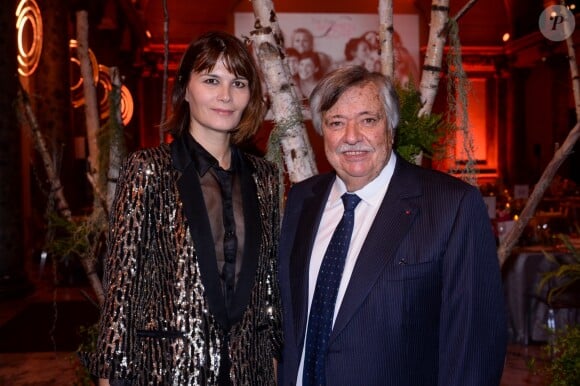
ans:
x=431 y=74
x=117 y=143
x=559 y=157
x=57 y=189
x=289 y=126
x=386 y=28
x=90 y=95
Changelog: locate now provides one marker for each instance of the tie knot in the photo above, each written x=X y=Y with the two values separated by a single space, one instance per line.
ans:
x=350 y=201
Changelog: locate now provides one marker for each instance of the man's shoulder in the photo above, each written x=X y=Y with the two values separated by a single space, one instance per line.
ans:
x=311 y=183
x=435 y=178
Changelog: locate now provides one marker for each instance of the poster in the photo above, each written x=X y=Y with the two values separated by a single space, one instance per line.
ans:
x=319 y=42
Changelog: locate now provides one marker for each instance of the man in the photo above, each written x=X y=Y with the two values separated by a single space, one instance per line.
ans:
x=418 y=298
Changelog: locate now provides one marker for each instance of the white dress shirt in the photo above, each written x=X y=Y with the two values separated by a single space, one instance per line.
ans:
x=371 y=196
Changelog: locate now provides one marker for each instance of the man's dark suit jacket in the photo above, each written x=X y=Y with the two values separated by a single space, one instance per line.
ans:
x=424 y=305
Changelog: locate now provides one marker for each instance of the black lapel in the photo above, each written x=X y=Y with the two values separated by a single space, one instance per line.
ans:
x=392 y=222
x=252 y=241
x=200 y=229
x=307 y=226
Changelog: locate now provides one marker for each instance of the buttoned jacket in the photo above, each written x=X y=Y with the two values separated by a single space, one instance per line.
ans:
x=424 y=305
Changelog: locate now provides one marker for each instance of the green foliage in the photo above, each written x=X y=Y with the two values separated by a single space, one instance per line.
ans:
x=458 y=88
x=567 y=274
x=564 y=367
x=417 y=134
x=67 y=238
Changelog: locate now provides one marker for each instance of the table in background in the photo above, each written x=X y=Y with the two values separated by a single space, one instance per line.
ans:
x=527 y=310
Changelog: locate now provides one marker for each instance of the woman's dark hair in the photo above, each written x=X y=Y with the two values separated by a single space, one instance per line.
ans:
x=351 y=47
x=201 y=56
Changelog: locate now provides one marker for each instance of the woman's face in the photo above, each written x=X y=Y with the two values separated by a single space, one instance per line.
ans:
x=301 y=42
x=217 y=99
x=306 y=68
x=372 y=38
x=362 y=51
x=293 y=64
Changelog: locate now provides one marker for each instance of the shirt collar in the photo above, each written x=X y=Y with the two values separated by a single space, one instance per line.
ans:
x=373 y=192
x=203 y=160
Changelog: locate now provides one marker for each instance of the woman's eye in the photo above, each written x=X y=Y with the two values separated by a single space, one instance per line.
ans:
x=240 y=84
x=211 y=81
x=369 y=121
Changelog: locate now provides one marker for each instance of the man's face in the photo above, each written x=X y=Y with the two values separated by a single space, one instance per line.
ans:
x=357 y=141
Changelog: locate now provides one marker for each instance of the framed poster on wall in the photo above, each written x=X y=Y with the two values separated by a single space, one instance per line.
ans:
x=319 y=42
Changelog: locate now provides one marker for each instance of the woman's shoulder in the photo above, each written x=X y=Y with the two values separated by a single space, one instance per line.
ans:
x=260 y=163
x=148 y=161
x=152 y=154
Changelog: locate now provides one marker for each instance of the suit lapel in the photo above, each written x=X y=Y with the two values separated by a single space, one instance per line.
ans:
x=391 y=224
x=311 y=213
x=194 y=207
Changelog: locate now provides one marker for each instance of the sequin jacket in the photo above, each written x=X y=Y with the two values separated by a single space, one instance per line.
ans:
x=158 y=325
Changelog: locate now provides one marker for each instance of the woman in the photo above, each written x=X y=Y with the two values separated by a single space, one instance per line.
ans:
x=308 y=73
x=357 y=52
x=302 y=40
x=192 y=296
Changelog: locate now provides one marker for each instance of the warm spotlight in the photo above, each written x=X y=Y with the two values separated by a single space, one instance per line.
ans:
x=506 y=36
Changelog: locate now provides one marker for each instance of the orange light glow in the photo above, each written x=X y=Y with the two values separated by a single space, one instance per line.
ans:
x=29 y=37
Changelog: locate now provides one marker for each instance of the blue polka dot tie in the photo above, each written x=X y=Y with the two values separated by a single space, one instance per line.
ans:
x=324 y=299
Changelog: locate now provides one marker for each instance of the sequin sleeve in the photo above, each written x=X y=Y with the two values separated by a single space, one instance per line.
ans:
x=116 y=356
x=271 y=182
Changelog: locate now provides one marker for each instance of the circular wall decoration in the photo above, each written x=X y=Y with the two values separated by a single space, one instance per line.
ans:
x=76 y=87
x=104 y=88
x=29 y=36
x=127 y=106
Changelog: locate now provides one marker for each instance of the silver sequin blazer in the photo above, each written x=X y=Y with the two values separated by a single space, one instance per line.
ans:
x=164 y=317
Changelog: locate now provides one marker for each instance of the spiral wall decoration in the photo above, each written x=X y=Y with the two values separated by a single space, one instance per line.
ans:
x=29 y=35
x=104 y=87
x=102 y=81
x=76 y=87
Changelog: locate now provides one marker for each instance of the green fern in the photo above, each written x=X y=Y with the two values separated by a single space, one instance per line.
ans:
x=415 y=134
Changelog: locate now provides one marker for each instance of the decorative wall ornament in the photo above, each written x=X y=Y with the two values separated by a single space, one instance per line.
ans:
x=104 y=87
x=102 y=81
x=76 y=88
x=29 y=28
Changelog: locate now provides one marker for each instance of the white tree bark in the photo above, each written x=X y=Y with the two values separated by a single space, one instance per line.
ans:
x=267 y=40
x=117 y=143
x=386 y=28
x=61 y=203
x=57 y=189
x=431 y=74
x=90 y=95
x=559 y=157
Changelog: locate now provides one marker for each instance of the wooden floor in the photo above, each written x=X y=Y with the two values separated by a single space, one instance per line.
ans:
x=61 y=368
